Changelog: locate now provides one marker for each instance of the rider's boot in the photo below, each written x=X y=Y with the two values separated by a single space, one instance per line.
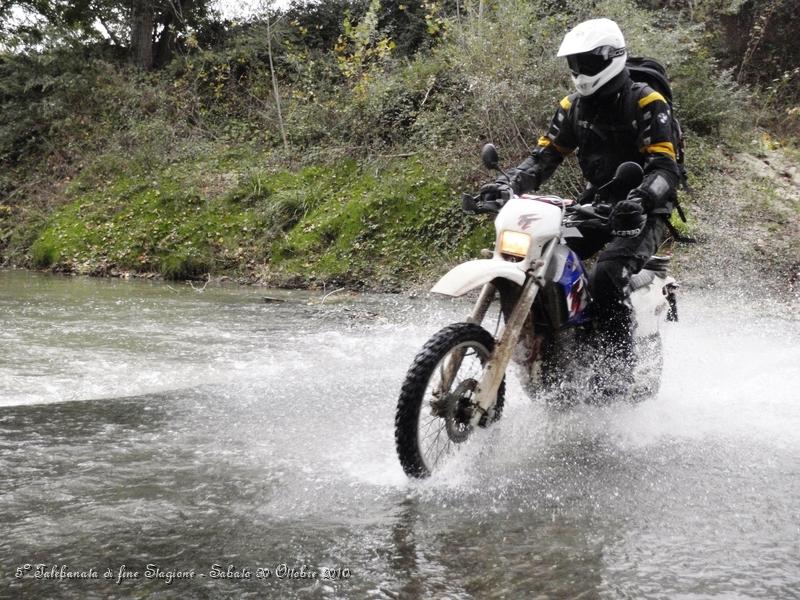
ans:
x=619 y=361
x=613 y=312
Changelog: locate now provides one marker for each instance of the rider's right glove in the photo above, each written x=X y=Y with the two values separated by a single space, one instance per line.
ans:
x=627 y=217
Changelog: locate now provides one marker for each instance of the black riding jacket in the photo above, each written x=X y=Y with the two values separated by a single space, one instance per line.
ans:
x=623 y=121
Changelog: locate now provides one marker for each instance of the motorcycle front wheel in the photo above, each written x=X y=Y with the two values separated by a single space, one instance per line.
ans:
x=436 y=400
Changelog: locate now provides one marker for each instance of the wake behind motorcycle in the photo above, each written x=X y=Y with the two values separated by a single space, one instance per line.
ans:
x=456 y=383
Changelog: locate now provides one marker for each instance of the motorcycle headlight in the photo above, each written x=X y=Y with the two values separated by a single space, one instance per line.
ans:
x=515 y=243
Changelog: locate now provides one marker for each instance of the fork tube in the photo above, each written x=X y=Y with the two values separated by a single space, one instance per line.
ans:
x=478 y=313
x=495 y=368
x=482 y=305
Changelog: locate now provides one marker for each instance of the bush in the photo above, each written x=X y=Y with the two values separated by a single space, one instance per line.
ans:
x=708 y=100
x=183 y=171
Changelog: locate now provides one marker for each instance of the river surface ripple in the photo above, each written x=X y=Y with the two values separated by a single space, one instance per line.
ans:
x=145 y=424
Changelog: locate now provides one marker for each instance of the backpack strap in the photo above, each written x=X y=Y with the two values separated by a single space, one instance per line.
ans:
x=642 y=90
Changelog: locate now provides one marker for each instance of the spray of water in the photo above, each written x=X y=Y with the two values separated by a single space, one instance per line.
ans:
x=268 y=430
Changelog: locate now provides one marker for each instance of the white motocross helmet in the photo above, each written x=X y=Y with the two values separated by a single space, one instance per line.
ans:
x=596 y=53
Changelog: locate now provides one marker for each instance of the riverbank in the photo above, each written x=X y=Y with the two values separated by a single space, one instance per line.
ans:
x=367 y=226
x=747 y=223
x=390 y=225
x=192 y=172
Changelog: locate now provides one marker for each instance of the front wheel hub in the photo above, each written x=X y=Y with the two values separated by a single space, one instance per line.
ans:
x=458 y=410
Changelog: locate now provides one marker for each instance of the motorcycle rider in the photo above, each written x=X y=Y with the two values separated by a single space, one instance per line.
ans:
x=609 y=120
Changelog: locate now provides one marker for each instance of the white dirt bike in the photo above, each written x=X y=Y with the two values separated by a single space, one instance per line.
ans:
x=457 y=381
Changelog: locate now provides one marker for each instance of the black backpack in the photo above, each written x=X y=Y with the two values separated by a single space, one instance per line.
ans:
x=650 y=72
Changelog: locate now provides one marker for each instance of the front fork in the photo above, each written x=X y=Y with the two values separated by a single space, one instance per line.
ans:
x=495 y=367
x=478 y=313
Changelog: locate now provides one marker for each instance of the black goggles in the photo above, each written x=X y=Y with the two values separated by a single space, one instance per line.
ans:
x=593 y=62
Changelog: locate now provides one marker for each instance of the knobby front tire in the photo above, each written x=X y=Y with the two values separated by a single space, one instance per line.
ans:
x=430 y=423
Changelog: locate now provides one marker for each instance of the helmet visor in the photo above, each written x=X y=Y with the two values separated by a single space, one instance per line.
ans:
x=593 y=62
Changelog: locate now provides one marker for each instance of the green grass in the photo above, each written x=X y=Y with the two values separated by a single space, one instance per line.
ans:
x=147 y=224
x=359 y=225
x=376 y=229
x=350 y=223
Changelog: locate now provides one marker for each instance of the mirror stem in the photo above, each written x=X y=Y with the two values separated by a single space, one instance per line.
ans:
x=504 y=174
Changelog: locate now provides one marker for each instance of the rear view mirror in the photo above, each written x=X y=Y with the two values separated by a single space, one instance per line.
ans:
x=628 y=176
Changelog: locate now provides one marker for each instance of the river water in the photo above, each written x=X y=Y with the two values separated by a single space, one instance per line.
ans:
x=214 y=433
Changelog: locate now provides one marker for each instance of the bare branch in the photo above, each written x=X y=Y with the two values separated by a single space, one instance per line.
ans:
x=275 y=85
x=325 y=297
x=201 y=289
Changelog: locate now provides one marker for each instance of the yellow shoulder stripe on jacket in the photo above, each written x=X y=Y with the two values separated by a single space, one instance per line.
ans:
x=545 y=141
x=565 y=103
x=660 y=148
x=652 y=97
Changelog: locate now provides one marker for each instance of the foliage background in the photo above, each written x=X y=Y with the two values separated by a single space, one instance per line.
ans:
x=181 y=169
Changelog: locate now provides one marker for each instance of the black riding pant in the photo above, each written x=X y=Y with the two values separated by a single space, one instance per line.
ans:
x=609 y=282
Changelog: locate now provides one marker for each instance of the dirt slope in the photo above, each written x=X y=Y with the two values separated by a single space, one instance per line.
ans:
x=748 y=229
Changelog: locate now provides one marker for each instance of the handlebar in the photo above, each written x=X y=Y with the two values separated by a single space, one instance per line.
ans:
x=590 y=211
x=473 y=204
x=592 y=216
x=587 y=216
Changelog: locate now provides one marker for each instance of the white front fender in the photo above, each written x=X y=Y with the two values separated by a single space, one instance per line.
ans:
x=474 y=273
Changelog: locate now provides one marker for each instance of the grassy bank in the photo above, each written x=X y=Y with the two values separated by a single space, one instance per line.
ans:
x=343 y=223
x=380 y=225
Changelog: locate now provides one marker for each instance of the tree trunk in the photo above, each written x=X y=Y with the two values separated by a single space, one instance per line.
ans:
x=142 y=18
x=172 y=20
x=757 y=32
x=165 y=45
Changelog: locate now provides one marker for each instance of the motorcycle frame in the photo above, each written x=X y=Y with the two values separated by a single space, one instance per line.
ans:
x=529 y=274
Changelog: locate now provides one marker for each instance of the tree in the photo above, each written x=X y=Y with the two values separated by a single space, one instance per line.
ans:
x=150 y=30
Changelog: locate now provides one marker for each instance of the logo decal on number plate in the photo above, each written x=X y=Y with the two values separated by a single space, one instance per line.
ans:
x=525 y=221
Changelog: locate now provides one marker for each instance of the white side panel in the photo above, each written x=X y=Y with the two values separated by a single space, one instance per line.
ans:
x=650 y=306
x=472 y=274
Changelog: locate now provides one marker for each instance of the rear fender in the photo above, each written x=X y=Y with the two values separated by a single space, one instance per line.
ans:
x=474 y=274
x=650 y=305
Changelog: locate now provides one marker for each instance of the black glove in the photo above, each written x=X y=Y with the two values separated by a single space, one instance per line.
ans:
x=527 y=177
x=498 y=191
x=627 y=217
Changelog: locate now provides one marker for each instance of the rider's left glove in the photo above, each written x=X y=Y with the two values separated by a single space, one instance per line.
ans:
x=497 y=191
x=627 y=217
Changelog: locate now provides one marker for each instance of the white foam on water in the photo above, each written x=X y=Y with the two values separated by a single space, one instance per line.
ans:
x=731 y=372
x=281 y=419
x=729 y=377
